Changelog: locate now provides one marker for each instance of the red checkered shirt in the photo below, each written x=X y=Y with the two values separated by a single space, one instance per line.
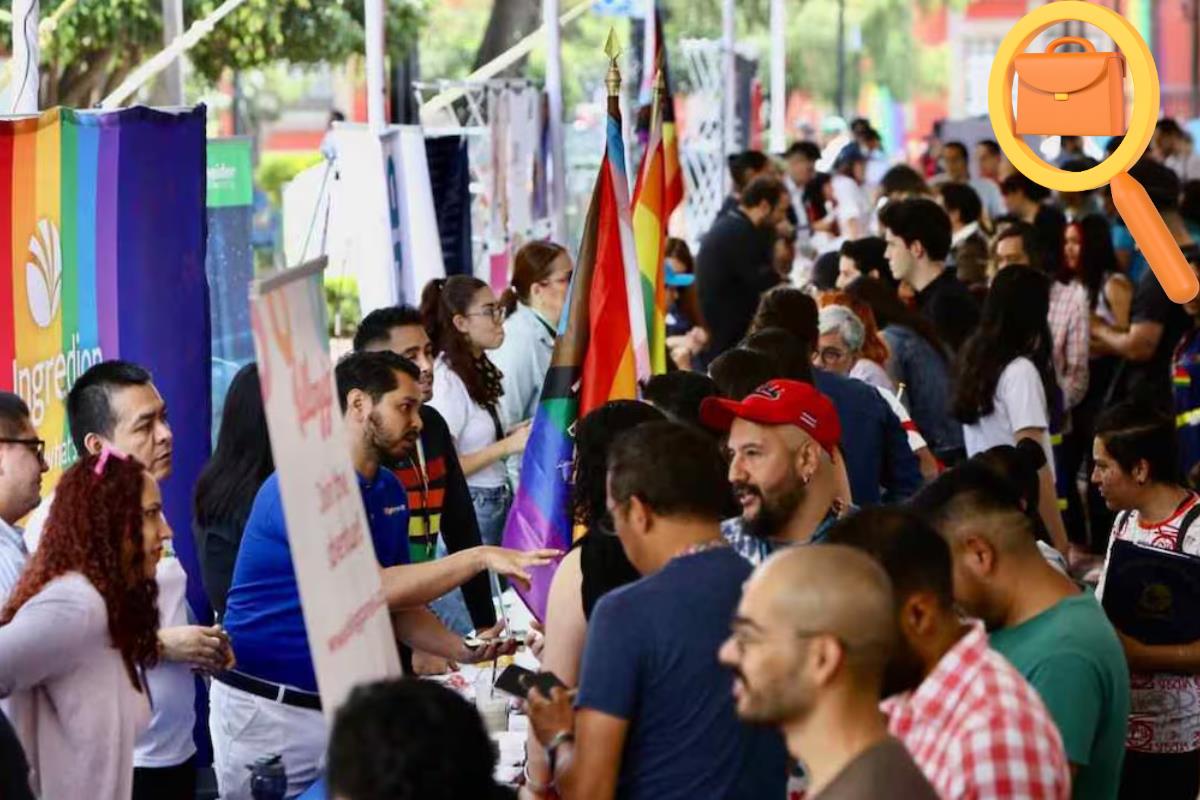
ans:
x=1070 y=330
x=979 y=731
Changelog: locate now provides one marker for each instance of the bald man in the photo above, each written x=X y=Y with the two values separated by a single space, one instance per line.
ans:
x=783 y=440
x=1057 y=637
x=812 y=636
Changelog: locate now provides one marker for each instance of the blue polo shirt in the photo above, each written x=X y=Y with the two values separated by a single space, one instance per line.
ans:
x=263 y=615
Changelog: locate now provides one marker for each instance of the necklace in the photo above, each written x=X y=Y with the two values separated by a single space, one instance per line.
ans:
x=702 y=547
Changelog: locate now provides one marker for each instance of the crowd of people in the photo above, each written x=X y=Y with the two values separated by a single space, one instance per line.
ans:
x=855 y=543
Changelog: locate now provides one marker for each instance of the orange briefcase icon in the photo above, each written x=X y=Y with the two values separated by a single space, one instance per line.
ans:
x=1070 y=94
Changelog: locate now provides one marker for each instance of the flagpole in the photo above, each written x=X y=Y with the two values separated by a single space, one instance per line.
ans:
x=25 y=57
x=778 y=76
x=374 y=36
x=729 y=64
x=554 y=94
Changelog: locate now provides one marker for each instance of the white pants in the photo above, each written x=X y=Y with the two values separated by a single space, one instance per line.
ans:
x=245 y=727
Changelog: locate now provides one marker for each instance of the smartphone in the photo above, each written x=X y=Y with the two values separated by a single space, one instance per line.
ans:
x=474 y=641
x=517 y=681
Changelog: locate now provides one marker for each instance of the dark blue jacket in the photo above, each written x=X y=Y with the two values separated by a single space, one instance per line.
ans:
x=880 y=464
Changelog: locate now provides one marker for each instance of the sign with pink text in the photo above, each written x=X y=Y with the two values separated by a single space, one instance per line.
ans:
x=349 y=627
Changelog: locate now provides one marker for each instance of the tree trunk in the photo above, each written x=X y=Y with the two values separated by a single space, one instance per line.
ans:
x=510 y=21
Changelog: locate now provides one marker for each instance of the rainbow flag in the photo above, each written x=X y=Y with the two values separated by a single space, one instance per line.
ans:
x=599 y=355
x=650 y=233
x=673 y=197
x=102 y=244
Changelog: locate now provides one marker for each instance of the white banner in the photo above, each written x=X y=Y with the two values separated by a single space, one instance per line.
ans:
x=415 y=228
x=349 y=627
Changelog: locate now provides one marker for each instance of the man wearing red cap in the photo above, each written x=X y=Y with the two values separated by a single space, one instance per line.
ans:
x=783 y=440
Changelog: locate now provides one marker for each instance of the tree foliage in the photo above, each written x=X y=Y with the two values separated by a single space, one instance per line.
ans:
x=99 y=42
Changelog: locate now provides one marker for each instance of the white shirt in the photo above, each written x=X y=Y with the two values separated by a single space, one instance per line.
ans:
x=964 y=233
x=1020 y=403
x=167 y=742
x=852 y=204
x=470 y=424
x=13 y=558
x=915 y=440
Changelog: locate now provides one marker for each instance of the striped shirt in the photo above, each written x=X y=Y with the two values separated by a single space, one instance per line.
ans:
x=13 y=557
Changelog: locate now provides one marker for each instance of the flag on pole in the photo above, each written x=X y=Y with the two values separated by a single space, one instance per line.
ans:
x=600 y=355
x=670 y=135
x=650 y=231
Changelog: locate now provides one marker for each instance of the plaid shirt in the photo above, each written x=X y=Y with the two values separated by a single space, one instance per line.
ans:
x=1069 y=329
x=979 y=731
x=756 y=549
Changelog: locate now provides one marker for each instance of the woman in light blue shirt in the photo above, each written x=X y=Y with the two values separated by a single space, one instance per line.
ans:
x=533 y=304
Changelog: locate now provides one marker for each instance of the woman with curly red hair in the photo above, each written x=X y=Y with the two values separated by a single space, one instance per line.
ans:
x=81 y=627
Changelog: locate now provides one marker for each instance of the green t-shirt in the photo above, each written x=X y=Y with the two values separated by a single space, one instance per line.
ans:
x=1071 y=655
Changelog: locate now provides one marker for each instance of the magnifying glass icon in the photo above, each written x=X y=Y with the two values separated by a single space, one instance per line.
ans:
x=1143 y=220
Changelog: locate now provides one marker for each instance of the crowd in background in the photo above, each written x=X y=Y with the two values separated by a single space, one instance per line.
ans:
x=850 y=545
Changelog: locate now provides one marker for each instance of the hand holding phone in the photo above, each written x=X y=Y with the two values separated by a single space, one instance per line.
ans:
x=517 y=681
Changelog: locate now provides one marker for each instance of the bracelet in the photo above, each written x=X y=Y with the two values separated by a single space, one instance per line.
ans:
x=539 y=789
x=559 y=739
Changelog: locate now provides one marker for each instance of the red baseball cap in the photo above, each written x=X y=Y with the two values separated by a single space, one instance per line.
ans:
x=779 y=403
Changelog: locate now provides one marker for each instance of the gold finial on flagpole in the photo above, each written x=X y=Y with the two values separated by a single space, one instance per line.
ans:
x=660 y=82
x=613 y=51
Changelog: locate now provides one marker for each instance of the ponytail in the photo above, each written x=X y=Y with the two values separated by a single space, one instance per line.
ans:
x=534 y=263
x=508 y=301
x=431 y=311
x=441 y=301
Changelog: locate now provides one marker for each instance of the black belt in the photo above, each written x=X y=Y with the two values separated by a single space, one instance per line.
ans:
x=271 y=691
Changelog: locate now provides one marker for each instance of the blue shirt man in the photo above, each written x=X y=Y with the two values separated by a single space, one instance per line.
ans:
x=263 y=615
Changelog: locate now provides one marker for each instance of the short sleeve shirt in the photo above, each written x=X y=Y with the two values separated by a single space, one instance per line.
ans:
x=471 y=425
x=651 y=659
x=263 y=614
x=1020 y=403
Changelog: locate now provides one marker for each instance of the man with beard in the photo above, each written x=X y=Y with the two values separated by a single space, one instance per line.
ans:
x=973 y=725
x=782 y=440
x=736 y=261
x=808 y=649
x=1057 y=636
x=270 y=702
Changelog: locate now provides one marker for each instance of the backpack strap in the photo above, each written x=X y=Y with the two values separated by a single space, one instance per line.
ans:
x=1123 y=520
x=1192 y=514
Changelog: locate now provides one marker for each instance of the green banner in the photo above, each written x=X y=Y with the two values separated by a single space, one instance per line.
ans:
x=230 y=172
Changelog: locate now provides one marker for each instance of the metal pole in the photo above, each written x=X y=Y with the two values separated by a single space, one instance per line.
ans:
x=25 y=73
x=840 y=99
x=729 y=65
x=554 y=95
x=373 y=13
x=171 y=80
x=778 y=76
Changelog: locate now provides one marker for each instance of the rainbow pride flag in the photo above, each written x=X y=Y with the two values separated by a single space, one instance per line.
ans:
x=599 y=355
x=102 y=243
x=650 y=231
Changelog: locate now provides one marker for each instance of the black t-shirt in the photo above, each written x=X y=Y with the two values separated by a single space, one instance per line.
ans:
x=1150 y=381
x=14 y=769
x=733 y=269
x=951 y=308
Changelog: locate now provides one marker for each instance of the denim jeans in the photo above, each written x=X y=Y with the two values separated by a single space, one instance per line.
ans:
x=491 y=510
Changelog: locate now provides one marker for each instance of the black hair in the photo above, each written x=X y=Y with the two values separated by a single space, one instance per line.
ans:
x=14 y=414
x=919 y=219
x=242 y=459
x=902 y=179
x=869 y=255
x=1099 y=259
x=1017 y=182
x=673 y=469
x=991 y=145
x=814 y=197
x=792 y=356
x=982 y=487
x=915 y=557
x=89 y=403
x=1012 y=325
x=1169 y=126
x=1080 y=164
x=441 y=301
x=1112 y=144
x=373 y=373
x=407 y=739
x=594 y=437
x=1190 y=206
x=679 y=393
x=1160 y=182
x=1019 y=229
x=825 y=271
x=743 y=165
x=791 y=309
x=956 y=145
x=962 y=198
x=761 y=190
x=1132 y=433
x=376 y=328
x=807 y=150
x=1018 y=466
x=890 y=310
x=738 y=372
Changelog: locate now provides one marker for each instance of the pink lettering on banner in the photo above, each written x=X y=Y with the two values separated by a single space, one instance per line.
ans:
x=356 y=623
x=333 y=489
x=345 y=542
x=313 y=399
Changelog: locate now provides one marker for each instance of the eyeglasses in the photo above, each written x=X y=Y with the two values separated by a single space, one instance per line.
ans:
x=831 y=355
x=495 y=312
x=38 y=446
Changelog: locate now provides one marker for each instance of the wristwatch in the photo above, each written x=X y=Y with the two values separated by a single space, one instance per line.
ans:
x=559 y=739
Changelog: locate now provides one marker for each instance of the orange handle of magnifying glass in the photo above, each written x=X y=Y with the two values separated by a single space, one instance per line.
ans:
x=1151 y=234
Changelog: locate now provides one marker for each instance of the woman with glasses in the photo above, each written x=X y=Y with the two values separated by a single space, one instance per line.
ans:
x=80 y=629
x=532 y=306
x=465 y=321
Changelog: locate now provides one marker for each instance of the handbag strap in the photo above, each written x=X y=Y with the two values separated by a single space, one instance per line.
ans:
x=1084 y=43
